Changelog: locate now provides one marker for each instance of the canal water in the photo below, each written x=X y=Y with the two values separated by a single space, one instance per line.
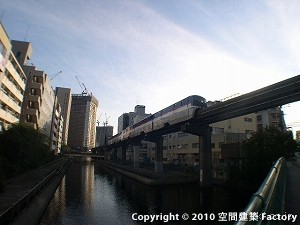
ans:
x=90 y=194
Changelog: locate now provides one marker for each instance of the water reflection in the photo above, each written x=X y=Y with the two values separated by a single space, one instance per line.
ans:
x=91 y=194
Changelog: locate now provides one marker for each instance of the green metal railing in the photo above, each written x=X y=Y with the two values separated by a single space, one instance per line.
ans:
x=269 y=198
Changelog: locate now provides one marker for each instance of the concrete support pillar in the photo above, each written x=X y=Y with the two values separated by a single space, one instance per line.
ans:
x=136 y=156
x=114 y=154
x=123 y=160
x=205 y=157
x=158 y=160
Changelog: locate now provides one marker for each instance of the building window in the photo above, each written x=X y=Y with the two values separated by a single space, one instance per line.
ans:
x=217 y=130
x=195 y=145
x=220 y=144
x=18 y=55
x=181 y=134
x=259 y=118
x=33 y=91
x=2 y=49
x=184 y=146
x=247 y=119
x=212 y=145
x=274 y=116
x=31 y=105
x=28 y=118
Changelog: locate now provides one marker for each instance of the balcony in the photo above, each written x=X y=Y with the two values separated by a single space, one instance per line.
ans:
x=31 y=124
x=16 y=75
x=34 y=113
x=36 y=85
x=35 y=98
x=8 y=117
x=12 y=88
x=9 y=102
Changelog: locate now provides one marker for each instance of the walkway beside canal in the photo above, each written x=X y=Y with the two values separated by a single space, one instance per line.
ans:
x=292 y=201
x=150 y=177
x=19 y=191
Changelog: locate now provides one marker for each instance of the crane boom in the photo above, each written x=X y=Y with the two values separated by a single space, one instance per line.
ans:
x=55 y=75
x=84 y=90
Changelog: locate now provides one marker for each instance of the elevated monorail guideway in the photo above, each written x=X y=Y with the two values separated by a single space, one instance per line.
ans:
x=286 y=91
x=192 y=111
x=192 y=116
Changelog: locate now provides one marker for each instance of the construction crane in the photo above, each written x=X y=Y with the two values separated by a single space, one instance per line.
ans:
x=105 y=123
x=84 y=90
x=98 y=120
x=55 y=75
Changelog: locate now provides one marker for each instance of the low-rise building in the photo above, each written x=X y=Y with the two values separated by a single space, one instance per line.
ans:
x=271 y=117
x=128 y=119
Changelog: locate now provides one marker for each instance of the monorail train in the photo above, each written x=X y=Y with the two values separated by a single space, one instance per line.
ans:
x=180 y=111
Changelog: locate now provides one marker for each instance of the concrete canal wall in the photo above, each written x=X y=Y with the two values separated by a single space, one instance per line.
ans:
x=25 y=200
x=150 y=177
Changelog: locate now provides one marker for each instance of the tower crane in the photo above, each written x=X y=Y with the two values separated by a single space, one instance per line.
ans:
x=55 y=75
x=84 y=90
x=105 y=123
x=98 y=120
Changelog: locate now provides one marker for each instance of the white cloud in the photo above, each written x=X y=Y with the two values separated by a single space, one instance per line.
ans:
x=128 y=53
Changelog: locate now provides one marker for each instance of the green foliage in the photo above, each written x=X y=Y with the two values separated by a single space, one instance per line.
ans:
x=65 y=148
x=22 y=148
x=263 y=149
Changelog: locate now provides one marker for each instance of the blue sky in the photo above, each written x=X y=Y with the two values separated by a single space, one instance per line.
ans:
x=157 y=52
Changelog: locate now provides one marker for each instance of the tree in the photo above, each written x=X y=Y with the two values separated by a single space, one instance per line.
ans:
x=263 y=149
x=22 y=148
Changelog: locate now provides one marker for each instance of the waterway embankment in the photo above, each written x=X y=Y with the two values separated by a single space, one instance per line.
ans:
x=150 y=177
x=26 y=196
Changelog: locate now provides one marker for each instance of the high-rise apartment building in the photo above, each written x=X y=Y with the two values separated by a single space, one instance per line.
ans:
x=82 y=126
x=63 y=96
x=38 y=105
x=12 y=83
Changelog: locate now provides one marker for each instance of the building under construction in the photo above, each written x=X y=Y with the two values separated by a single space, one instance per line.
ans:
x=82 y=125
x=102 y=134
